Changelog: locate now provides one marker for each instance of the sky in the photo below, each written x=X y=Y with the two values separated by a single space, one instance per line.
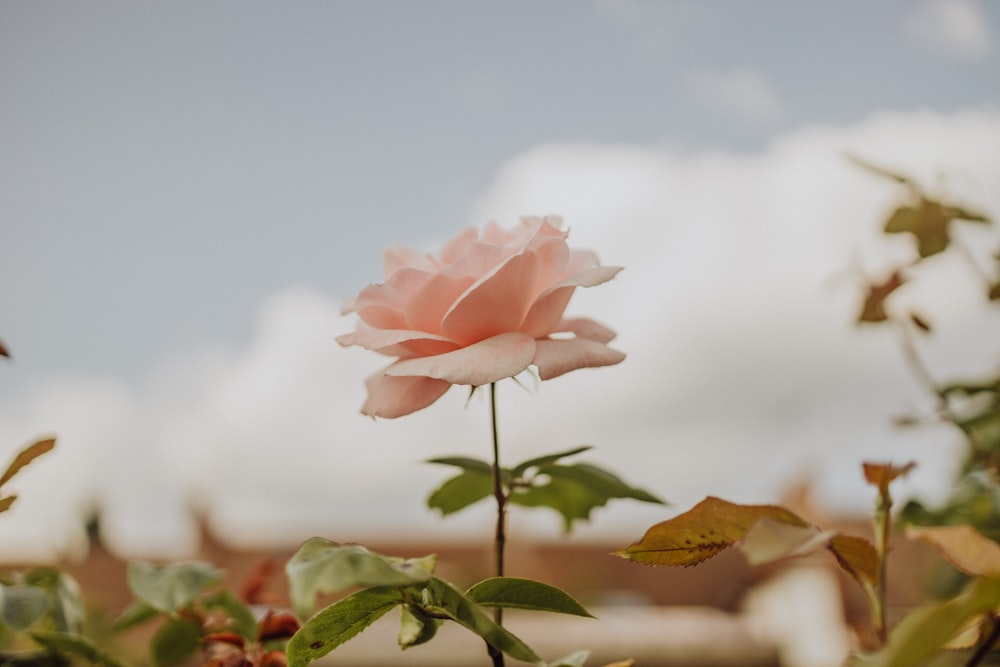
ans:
x=190 y=189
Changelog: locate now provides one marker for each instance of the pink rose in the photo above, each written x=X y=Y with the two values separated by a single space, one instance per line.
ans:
x=484 y=309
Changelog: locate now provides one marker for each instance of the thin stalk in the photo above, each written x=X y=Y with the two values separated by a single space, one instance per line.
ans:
x=500 y=535
x=987 y=645
x=883 y=528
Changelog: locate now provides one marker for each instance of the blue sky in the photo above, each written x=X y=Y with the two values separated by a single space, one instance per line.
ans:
x=176 y=173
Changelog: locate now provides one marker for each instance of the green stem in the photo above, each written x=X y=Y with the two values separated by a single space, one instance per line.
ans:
x=883 y=528
x=500 y=535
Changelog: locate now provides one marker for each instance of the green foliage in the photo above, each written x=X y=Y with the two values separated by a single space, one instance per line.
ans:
x=171 y=587
x=76 y=646
x=931 y=629
x=321 y=566
x=23 y=605
x=176 y=640
x=386 y=582
x=573 y=490
x=340 y=622
x=525 y=594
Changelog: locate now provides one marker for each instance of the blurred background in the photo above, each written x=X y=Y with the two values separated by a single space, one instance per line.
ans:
x=188 y=190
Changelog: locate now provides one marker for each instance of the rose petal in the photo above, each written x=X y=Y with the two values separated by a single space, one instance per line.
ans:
x=384 y=305
x=398 y=257
x=555 y=357
x=586 y=328
x=426 y=309
x=591 y=277
x=392 y=397
x=547 y=312
x=396 y=342
x=487 y=361
x=495 y=304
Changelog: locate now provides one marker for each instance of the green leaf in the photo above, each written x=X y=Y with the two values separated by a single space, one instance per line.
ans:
x=539 y=461
x=175 y=641
x=322 y=566
x=527 y=594
x=575 y=490
x=708 y=528
x=571 y=500
x=416 y=627
x=599 y=480
x=924 y=632
x=238 y=612
x=135 y=614
x=468 y=614
x=465 y=463
x=65 y=601
x=22 y=605
x=74 y=645
x=457 y=493
x=170 y=587
x=340 y=622
x=26 y=456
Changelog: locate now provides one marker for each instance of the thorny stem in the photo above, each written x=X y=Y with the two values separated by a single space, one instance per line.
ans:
x=500 y=536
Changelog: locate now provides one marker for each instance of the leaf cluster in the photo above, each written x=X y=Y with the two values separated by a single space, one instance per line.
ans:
x=383 y=583
x=196 y=614
x=573 y=490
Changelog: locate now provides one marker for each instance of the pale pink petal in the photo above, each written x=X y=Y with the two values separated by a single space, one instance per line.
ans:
x=384 y=305
x=555 y=357
x=591 y=277
x=552 y=253
x=397 y=257
x=458 y=247
x=396 y=342
x=585 y=328
x=427 y=308
x=547 y=312
x=487 y=361
x=495 y=304
x=392 y=397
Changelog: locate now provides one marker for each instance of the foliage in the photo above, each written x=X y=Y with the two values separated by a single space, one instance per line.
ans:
x=386 y=582
x=573 y=490
x=195 y=615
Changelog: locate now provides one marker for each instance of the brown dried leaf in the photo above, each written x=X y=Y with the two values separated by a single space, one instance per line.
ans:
x=963 y=546
x=26 y=456
x=873 y=309
x=881 y=475
x=857 y=557
x=708 y=528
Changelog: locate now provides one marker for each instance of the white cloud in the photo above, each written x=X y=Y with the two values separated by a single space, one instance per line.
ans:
x=734 y=308
x=955 y=27
x=742 y=93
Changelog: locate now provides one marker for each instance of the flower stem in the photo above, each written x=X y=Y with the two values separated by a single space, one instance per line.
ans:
x=883 y=532
x=500 y=536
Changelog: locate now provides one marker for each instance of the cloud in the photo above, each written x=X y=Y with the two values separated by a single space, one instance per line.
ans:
x=735 y=309
x=655 y=23
x=952 y=27
x=743 y=93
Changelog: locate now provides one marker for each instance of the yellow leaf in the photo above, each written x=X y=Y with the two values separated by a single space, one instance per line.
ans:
x=711 y=526
x=5 y=503
x=963 y=546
